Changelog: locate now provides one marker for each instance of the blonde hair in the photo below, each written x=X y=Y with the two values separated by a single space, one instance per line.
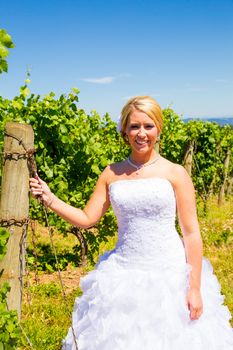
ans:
x=144 y=104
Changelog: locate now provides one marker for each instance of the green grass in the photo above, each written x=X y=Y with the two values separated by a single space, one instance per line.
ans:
x=46 y=320
x=217 y=233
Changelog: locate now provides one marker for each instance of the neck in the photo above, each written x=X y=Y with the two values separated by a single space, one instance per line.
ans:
x=139 y=158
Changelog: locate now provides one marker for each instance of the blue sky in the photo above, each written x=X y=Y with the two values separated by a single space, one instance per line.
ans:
x=179 y=52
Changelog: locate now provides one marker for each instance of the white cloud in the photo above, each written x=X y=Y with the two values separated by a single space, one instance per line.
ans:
x=106 y=80
x=103 y=80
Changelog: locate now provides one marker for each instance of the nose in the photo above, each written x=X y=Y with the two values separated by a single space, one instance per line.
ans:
x=141 y=131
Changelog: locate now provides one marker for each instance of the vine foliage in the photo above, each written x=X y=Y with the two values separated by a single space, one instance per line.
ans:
x=73 y=148
x=5 y=44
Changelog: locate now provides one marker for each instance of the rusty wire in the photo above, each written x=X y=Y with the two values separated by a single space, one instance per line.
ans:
x=29 y=155
x=14 y=222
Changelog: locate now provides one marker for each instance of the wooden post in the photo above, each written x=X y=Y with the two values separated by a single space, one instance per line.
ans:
x=14 y=207
x=221 y=194
x=188 y=158
x=229 y=186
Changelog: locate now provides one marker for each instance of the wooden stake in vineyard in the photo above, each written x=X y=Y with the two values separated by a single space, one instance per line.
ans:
x=188 y=158
x=18 y=148
x=225 y=177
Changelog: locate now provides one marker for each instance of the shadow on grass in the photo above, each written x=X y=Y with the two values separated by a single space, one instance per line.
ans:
x=44 y=259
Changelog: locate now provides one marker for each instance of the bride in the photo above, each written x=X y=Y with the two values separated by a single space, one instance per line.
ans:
x=154 y=291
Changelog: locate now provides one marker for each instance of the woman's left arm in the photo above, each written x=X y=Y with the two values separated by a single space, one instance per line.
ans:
x=188 y=221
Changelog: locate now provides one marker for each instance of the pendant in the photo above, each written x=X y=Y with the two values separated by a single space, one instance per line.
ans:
x=138 y=168
x=137 y=172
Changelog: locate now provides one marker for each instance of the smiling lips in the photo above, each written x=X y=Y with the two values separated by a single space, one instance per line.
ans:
x=141 y=142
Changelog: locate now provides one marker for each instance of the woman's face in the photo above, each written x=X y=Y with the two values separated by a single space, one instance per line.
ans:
x=141 y=131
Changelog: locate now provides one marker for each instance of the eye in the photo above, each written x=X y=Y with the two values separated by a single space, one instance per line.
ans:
x=134 y=126
x=149 y=126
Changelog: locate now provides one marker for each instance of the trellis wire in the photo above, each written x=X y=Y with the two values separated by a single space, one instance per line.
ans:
x=29 y=154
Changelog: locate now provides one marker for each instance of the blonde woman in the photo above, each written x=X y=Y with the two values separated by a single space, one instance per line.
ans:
x=154 y=291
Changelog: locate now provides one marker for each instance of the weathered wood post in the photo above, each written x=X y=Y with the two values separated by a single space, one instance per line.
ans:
x=188 y=158
x=18 y=145
x=221 y=194
x=229 y=186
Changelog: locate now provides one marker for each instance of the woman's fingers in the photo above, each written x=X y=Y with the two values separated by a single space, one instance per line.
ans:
x=35 y=187
x=33 y=180
x=195 y=313
x=40 y=190
x=194 y=304
x=40 y=181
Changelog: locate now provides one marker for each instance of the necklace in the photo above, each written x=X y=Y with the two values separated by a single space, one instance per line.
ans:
x=138 y=167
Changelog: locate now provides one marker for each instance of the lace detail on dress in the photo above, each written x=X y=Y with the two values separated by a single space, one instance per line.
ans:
x=146 y=211
x=135 y=298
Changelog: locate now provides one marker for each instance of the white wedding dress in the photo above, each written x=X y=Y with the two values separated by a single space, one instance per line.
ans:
x=135 y=299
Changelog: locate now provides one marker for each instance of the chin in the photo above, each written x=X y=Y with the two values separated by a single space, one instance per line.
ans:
x=142 y=149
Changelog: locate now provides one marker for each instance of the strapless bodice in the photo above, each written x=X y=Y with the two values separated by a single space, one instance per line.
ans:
x=135 y=298
x=146 y=210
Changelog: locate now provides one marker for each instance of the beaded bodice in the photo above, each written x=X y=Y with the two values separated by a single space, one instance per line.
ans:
x=146 y=210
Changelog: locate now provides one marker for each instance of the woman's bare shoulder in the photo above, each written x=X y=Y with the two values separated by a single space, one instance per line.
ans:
x=176 y=173
x=113 y=170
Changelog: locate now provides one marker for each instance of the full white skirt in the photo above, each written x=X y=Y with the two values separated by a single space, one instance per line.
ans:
x=141 y=307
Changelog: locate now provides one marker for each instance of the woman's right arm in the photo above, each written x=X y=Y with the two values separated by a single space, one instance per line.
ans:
x=89 y=216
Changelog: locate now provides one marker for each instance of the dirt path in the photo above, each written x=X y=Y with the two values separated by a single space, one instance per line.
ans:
x=70 y=278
